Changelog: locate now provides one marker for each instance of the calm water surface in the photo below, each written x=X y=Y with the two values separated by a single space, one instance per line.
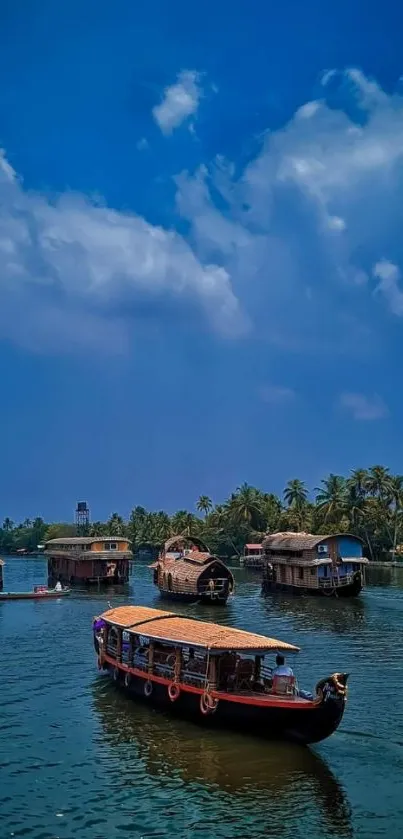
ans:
x=79 y=759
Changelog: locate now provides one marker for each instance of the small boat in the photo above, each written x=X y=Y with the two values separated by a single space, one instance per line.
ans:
x=214 y=674
x=186 y=571
x=38 y=593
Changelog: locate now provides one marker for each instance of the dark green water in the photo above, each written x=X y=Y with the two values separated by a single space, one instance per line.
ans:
x=78 y=759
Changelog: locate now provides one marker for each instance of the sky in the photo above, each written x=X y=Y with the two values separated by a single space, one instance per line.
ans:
x=201 y=259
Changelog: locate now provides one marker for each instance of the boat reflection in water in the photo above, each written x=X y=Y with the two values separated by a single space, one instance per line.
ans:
x=341 y=616
x=259 y=775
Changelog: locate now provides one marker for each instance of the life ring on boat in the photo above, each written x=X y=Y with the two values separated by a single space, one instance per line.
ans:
x=116 y=674
x=128 y=679
x=208 y=704
x=148 y=688
x=173 y=691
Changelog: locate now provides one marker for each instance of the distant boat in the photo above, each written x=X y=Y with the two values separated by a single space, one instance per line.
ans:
x=38 y=593
x=88 y=560
x=253 y=556
x=186 y=570
x=306 y=563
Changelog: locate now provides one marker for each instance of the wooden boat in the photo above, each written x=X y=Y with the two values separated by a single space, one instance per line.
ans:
x=304 y=563
x=186 y=571
x=38 y=593
x=214 y=673
x=88 y=560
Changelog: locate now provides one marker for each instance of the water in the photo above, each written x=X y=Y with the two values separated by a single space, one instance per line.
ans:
x=77 y=758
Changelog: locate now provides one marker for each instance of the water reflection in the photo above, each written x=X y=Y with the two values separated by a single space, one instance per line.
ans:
x=260 y=773
x=341 y=616
x=385 y=576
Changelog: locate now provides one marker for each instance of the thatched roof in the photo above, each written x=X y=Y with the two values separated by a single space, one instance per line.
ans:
x=168 y=627
x=184 y=541
x=289 y=540
x=84 y=540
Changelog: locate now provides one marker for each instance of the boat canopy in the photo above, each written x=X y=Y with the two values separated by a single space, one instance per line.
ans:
x=168 y=627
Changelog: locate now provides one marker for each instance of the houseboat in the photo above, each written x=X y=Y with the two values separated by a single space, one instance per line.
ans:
x=88 y=560
x=213 y=673
x=185 y=570
x=1 y=573
x=309 y=564
x=253 y=556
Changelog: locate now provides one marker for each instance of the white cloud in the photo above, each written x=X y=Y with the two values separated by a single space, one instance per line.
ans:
x=297 y=242
x=320 y=203
x=276 y=394
x=364 y=407
x=180 y=101
x=388 y=275
x=70 y=270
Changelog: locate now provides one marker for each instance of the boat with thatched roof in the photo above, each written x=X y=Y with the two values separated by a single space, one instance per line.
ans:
x=215 y=673
x=306 y=563
x=186 y=570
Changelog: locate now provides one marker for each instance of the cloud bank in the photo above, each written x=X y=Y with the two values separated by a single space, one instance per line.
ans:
x=303 y=243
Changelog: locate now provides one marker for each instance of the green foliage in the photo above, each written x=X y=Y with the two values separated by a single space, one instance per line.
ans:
x=368 y=503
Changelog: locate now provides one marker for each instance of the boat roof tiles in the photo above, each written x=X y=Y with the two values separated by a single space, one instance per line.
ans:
x=85 y=540
x=300 y=541
x=167 y=626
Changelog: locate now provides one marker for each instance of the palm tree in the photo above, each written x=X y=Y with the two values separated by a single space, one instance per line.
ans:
x=295 y=493
x=378 y=482
x=204 y=504
x=8 y=525
x=245 y=506
x=296 y=497
x=116 y=525
x=331 y=498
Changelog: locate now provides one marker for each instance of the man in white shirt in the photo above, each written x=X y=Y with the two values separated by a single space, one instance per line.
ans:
x=58 y=586
x=281 y=669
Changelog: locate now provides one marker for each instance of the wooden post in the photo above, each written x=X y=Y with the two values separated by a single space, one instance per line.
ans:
x=119 y=646
x=151 y=657
x=212 y=674
x=178 y=664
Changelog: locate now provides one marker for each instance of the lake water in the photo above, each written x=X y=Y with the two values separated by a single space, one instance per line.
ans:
x=79 y=759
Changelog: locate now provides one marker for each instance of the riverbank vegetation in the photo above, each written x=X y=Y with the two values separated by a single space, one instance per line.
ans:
x=368 y=503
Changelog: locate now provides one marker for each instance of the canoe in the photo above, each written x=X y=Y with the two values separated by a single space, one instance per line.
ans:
x=215 y=674
x=34 y=595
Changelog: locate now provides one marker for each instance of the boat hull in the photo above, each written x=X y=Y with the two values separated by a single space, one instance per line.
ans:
x=351 y=589
x=186 y=597
x=30 y=595
x=309 y=724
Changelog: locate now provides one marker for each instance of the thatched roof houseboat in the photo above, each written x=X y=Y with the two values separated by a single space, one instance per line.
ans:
x=187 y=571
x=307 y=563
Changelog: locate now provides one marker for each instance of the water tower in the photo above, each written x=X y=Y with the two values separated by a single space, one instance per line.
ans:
x=82 y=518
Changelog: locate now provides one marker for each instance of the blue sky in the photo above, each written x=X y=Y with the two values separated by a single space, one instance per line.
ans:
x=201 y=260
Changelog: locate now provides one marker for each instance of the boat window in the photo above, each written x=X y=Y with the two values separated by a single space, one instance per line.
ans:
x=282 y=573
x=110 y=546
x=301 y=573
x=313 y=571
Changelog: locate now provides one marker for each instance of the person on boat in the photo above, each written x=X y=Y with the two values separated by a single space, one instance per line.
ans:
x=58 y=586
x=281 y=668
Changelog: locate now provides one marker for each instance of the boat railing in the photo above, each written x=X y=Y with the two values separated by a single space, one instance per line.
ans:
x=220 y=584
x=336 y=581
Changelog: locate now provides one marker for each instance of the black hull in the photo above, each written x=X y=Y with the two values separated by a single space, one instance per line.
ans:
x=181 y=597
x=295 y=725
x=353 y=589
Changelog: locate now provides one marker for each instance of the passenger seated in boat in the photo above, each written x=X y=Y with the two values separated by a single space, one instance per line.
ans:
x=226 y=671
x=281 y=668
x=284 y=682
x=58 y=586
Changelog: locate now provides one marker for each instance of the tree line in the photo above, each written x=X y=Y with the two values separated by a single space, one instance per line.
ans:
x=368 y=503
